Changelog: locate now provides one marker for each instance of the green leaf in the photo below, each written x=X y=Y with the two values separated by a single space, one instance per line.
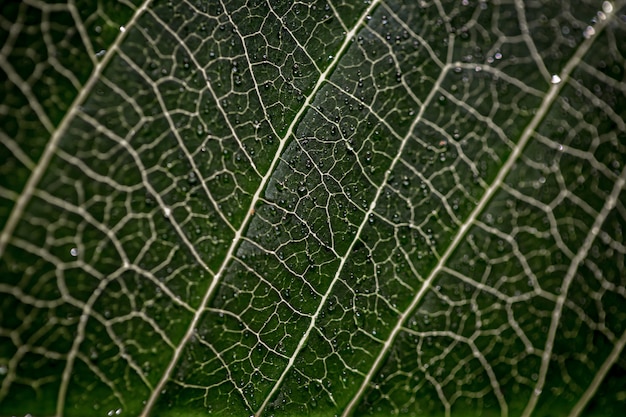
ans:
x=312 y=208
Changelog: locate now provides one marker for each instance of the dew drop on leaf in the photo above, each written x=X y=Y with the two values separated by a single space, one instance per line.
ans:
x=589 y=32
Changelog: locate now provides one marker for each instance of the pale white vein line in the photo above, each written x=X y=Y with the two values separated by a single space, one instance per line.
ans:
x=611 y=82
x=517 y=253
x=462 y=156
x=179 y=139
x=127 y=99
x=52 y=51
x=110 y=234
x=102 y=377
x=579 y=154
x=219 y=357
x=270 y=9
x=86 y=313
x=600 y=375
x=252 y=74
x=480 y=117
x=144 y=176
x=8 y=194
x=548 y=211
x=250 y=213
x=609 y=205
x=443 y=199
x=33 y=102
x=28 y=299
x=216 y=99
x=245 y=328
x=337 y=15
x=414 y=35
x=71 y=6
x=394 y=58
x=598 y=102
x=345 y=257
x=51 y=146
x=90 y=173
x=14 y=29
x=59 y=7
x=501 y=75
x=296 y=40
x=381 y=119
x=446 y=22
x=476 y=353
x=17 y=152
x=547 y=102
x=263 y=280
x=523 y=24
x=86 y=308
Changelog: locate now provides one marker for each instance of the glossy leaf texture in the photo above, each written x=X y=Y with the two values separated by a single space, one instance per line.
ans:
x=289 y=208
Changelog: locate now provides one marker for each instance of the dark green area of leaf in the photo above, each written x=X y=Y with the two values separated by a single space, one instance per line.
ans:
x=311 y=208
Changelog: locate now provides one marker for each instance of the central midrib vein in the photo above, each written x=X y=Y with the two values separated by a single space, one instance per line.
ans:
x=249 y=214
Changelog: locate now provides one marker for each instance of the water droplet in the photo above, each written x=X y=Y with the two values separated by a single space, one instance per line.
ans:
x=122 y=29
x=607 y=7
x=74 y=252
x=167 y=212
x=101 y=53
x=3 y=369
x=589 y=32
x=555 y=79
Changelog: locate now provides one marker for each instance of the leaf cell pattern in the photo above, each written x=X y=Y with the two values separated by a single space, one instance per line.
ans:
x=313 y=208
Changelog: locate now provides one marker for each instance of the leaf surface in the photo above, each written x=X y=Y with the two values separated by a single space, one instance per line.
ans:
x=311 y=208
